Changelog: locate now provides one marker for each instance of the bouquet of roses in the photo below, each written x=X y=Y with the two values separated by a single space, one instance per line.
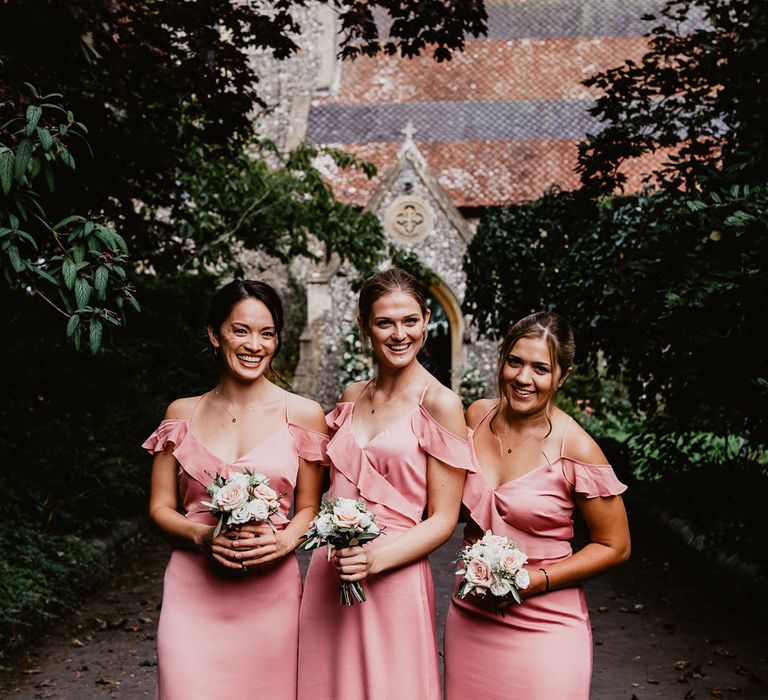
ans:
x=241 y=498
x=342 y=522
x=493 y=565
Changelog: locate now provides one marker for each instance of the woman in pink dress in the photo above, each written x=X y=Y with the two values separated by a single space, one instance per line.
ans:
x=400 y=446
x=534 y=466
x=229 y=621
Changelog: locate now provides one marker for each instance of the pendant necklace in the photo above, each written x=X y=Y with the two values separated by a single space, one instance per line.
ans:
x=224 y=406
x=372 y=391
x=518 y=443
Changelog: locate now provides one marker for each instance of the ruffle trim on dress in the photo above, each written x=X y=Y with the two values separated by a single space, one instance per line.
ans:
x=592 y=480
x=335 y=419
x=310 y=444
x=369 y=482
x=442 y=444
x=170 y=430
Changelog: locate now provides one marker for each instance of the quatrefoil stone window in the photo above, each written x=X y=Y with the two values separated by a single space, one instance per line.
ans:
x=408 y=219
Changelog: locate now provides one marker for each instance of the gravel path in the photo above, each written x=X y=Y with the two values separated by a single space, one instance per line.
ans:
x=663 y=625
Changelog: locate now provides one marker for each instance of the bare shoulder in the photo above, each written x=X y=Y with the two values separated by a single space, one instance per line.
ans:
x=445 y=407
x=478 y=410
x=352 y=392
x=581 y=446
x=181 y=409
x=306 y=413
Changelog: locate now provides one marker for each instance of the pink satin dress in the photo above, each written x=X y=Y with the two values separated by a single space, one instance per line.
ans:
x=386 y=646
x=224 y=633
x=541 y=649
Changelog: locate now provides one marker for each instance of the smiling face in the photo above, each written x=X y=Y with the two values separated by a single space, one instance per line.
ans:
x=246 y=340
x=529 y=378
x=396 y=326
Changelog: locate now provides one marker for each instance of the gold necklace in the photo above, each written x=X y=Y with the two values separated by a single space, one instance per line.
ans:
x=517 y=444
x=224 y=406
x=372 y=391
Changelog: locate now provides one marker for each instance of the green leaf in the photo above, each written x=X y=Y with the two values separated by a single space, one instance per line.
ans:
x=46 y=140
x=15 y=258
x=72 y=324
x=23 y=155
x=69 y=272
x=6 y=170
x=48 y=172
x=27 y=237
x=68 y=220
x=95 y=335
x=82 y=292
x=100 y=279
x=88 y=228
x=76 y=339
x=33 y=118
x=42 y=273
x=66 y=158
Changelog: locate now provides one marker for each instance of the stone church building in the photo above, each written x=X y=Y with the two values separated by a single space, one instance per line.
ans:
x=497 y=124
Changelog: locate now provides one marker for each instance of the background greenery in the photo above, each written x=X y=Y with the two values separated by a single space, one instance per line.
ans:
x=130 y=179
x=665 y=288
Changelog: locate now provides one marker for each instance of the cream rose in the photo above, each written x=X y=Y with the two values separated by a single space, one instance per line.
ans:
x=232 y=495
x=479 y=573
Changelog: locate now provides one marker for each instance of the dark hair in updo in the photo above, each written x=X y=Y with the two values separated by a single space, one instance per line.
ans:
x=381 y=283
x=230 y=294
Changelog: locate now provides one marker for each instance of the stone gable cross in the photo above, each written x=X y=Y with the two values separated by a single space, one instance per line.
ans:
x=408 y=131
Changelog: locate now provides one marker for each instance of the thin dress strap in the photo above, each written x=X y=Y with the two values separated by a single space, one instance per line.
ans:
x=197 y=403
x=424 y=391
x=565 y=434
x=287 y=420
x=487 y=413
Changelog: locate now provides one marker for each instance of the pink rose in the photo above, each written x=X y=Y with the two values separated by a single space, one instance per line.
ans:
x=231 y=496
x=264 y=492
x=513 y=561
x=346 y=514
x=479 y=573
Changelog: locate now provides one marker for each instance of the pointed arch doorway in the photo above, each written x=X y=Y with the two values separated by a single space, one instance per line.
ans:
x=444 y=348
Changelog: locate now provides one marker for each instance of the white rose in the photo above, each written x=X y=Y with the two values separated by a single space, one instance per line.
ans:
x=324 y=525
x=259 y=509
x=240 y=515
x=501 y=587
x=233 y=494
x=239 y=478
x=365 y=521
x=522 y=579
x=491 y=540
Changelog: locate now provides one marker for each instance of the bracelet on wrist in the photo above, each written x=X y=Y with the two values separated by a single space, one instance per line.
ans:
x=546 y=579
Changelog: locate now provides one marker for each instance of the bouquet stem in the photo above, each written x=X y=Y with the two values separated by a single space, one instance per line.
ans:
x=351 y=593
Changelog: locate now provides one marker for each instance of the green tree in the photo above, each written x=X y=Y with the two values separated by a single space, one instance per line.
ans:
x=668 y=282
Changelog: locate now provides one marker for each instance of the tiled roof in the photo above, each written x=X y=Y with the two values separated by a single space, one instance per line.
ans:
x=500 y=122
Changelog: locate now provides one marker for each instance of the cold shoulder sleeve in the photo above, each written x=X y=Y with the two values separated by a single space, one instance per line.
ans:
x=442 y=444
x=309 y=443
x=170 y=430
x=339 y=415
x=592 y=480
